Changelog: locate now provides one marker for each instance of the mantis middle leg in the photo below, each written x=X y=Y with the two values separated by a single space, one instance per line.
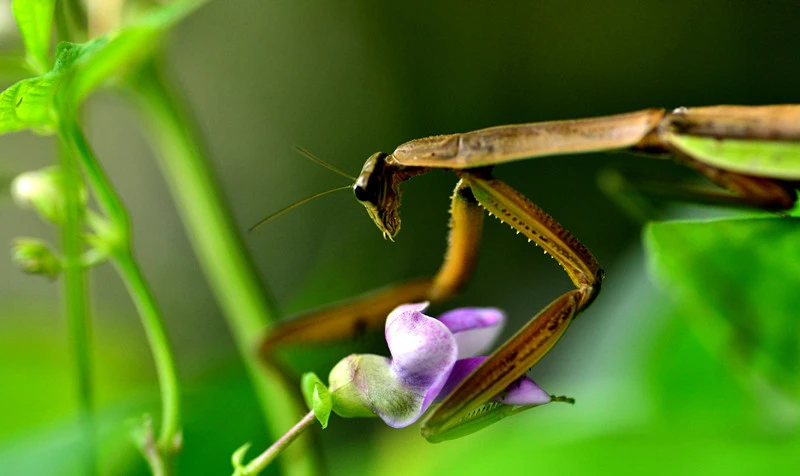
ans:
x=349 y=318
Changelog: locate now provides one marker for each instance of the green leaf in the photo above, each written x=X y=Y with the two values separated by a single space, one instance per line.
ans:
x=317 y=397
x=129 y=46
x=30 y=103
x=688 y=382
x=737 y=281
x=35 y=18
x=237 y=459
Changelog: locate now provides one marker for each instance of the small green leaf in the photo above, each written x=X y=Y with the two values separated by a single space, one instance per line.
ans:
x=317 y=397
x=30 y=103
x=737 y=280
x=141 y=432
x=237 y=459
x=35 y=19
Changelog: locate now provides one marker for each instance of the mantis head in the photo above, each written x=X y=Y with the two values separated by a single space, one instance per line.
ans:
x=378 y=189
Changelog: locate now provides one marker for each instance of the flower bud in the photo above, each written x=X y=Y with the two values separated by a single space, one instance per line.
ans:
x=346 y=385
x=34 y=256
x=42 y=190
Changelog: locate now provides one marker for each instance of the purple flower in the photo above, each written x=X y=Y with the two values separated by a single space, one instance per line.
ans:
x=424 y=366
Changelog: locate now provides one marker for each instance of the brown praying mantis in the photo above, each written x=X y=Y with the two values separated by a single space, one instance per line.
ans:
x=751 y=151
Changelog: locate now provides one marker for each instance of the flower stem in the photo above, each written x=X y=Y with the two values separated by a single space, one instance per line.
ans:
x=76 y=294
x=75 y=302
x=263 y=460
x=247 y=306
x=122 y=255
x=170 y=434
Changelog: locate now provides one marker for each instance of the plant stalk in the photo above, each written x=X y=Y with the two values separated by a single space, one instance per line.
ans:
x=244 y=300
x=76 y=304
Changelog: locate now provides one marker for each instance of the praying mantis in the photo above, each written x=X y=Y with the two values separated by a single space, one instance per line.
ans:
x=751 y=151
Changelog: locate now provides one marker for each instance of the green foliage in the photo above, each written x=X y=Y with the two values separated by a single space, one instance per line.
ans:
x=129 y=46
x=35 y=19
x=30 y=103
x=737 y=281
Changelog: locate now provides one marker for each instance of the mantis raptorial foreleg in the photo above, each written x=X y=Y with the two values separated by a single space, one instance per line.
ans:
x=533 y=341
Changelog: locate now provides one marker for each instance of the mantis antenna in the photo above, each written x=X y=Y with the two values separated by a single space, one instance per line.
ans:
x=295 y=204
x=319 y=161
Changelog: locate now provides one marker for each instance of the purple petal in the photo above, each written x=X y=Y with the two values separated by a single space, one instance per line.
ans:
x=523 y=391
x=423 y=351
x=475 y=328
x=403 y=308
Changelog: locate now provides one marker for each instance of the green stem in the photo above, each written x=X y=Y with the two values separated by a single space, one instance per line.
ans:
x=75 y=291
x=263 y=460
x=221 y=253
x=119 y=243
x=75 y=301
x=107 y=198
x=170 y=434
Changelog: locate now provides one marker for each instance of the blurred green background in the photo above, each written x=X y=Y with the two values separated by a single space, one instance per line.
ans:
x=345 y=79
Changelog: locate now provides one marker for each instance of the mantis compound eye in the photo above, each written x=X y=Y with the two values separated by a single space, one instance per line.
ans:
x=367 y=187
x=362 y=192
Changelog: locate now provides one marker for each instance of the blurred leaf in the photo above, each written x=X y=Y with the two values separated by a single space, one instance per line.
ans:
x=35 y=19
x=30 y=103
x=737 y=281
x=689 y=383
